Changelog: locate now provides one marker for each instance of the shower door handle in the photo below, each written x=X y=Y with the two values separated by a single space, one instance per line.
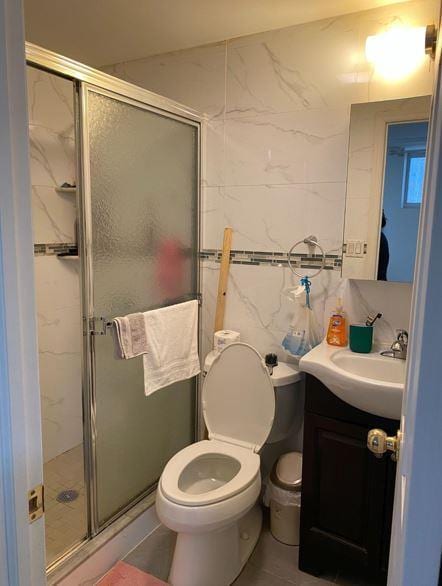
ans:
x=98 y=326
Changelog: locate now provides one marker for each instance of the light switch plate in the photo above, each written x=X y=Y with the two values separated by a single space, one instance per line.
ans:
x=355 y=248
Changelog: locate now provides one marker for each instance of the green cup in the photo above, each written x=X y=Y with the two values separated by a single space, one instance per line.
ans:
x=361 y=338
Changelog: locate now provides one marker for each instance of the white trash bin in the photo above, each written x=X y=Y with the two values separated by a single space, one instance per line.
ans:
x=284 y=495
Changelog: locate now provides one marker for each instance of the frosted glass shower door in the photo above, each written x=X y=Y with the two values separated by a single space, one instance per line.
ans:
x=141 y=210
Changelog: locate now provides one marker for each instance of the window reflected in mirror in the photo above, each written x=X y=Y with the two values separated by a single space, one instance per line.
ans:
x=402 y=196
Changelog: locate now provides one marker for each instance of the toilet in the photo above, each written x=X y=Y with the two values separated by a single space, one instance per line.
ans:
x=208 y=491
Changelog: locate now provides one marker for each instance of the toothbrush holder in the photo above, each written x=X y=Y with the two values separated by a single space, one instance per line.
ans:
x=361 y=338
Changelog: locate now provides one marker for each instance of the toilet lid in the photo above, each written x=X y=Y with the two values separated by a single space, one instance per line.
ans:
x=238 y=397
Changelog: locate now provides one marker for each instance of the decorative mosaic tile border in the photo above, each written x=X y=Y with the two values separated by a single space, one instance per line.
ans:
x=237 y=257
x=54 y=248
x=275 y=259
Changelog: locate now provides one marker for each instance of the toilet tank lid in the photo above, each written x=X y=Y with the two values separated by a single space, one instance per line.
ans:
x=285 y=374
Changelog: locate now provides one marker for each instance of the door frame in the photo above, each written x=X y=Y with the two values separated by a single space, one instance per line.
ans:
x=416 y=542
x=22 y=553
x=417 y=527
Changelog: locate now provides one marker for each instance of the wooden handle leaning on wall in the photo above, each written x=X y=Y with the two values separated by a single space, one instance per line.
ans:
x=223 y=279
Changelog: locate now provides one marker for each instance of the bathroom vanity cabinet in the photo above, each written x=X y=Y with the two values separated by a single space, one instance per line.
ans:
x=347 y=493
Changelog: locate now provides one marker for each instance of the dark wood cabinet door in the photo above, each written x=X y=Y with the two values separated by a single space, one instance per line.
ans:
x=344 y=499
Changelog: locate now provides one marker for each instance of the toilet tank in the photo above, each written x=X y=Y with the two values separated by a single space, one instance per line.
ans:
x=209 y=361
x=287 y=381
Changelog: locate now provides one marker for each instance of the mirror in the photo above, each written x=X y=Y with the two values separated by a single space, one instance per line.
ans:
x=385 y=173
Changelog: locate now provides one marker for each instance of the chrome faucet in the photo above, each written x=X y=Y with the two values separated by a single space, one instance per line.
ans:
x=399 y=347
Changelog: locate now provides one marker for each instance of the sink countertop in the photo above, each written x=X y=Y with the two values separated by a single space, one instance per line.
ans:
x=370 y=382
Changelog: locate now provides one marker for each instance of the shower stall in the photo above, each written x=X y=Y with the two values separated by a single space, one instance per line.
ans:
x=135 y=194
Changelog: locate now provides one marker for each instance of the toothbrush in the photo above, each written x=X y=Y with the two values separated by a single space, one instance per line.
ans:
x=370 y=320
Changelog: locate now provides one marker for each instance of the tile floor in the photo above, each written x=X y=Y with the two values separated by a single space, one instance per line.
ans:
x=65 y=523
x=274 y=564
x=271 y=564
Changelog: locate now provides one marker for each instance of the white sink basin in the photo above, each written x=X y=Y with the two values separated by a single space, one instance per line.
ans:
x=370 y=382
x=372 y=366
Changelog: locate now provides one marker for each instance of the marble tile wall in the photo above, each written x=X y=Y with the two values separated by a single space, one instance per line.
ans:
x=51 y=129
x=275 y=157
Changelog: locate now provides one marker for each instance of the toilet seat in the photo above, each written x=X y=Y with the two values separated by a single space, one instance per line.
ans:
x=238 y=406
x=238 y=398
x=170 y=479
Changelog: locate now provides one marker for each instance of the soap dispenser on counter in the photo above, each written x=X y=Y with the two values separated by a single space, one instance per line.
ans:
x=337 y=328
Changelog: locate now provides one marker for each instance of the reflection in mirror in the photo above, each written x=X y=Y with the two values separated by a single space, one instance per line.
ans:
x=402 y=196
x=386 y=167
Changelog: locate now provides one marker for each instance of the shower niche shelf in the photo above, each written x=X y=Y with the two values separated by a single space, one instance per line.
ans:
x=70 y=190
x=70 y=255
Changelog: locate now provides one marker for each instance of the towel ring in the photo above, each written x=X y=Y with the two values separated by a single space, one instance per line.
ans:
x=312 y=241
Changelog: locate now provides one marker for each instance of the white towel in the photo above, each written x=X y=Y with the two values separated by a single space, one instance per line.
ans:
x=130 y=336
x=172 y=345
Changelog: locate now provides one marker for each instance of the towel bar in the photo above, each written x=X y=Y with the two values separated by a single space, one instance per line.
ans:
x=99 y=326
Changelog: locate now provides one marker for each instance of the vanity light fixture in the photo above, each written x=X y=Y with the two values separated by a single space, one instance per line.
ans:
x=430 y=40
x=400 y=50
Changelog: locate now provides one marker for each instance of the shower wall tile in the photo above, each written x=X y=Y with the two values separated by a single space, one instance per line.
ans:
x=60 y=348
x=258 y=312
x=364 y=298
x=212 y=217
x=259 y=215
x=248 y=305
x=283 y=70
x=293 y=147
x=213 y=164
x=195 y=77
x=209 y=284
x=52 y=157
x=61 y=404
x=53 y=215
x=52 y=152
x=370 y=297
x=257 y=304
x=50 y=102
x=275 y=155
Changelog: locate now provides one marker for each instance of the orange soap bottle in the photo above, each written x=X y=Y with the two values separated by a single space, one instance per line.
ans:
x=337 y=328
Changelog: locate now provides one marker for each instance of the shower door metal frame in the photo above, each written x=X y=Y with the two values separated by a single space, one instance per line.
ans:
x=87 y=270
x=55 y=63
x=88 y=79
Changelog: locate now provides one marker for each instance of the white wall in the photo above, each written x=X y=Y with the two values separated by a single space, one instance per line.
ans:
x=276 y=154
x=52 y=151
